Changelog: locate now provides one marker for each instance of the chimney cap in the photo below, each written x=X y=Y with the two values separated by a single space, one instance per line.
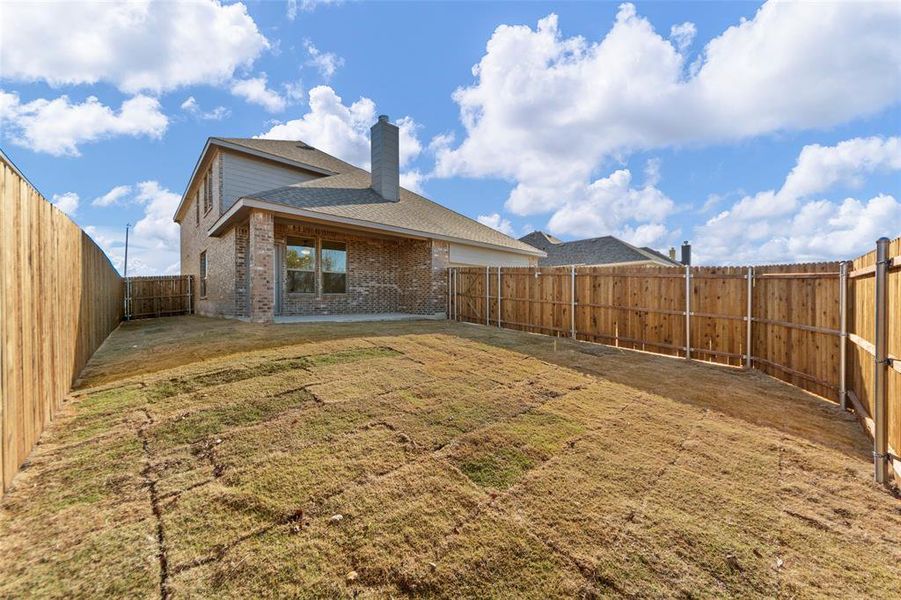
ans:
x=383 y=118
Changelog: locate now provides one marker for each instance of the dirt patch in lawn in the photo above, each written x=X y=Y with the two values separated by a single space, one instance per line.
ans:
x=438 y=460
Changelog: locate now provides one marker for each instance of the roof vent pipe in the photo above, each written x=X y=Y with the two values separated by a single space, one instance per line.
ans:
x=384 y=139
x=686 y=253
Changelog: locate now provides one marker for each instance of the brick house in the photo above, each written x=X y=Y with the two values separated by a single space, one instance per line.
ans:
x=275 y=228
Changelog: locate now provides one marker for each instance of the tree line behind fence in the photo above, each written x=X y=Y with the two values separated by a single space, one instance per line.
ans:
x=812 y=325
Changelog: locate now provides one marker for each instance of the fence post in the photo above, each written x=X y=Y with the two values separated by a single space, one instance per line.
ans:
x=498 y=296
x=487 y=296
x=457 y=294
x=190 y=294
x=880 y=451
x=843 y=339
x=572 y=302
x=448 y=293
x=687 y=311
x=750 y=309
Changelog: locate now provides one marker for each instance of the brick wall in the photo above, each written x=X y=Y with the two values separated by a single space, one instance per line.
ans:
x=384 y=274
x=373 y=265
x=260 y=273
x=220 y=297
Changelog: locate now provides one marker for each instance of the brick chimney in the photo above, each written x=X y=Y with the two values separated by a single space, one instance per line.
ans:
x=385 y=146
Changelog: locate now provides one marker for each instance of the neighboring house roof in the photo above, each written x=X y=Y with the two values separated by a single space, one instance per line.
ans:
x=604 y=250
x=662 y=256
x=540 y=239
x=344 y=195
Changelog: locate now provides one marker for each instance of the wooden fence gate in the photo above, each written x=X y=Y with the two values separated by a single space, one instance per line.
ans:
x=162 y=296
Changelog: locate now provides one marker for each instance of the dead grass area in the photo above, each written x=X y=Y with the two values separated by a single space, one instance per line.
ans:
x=434 y=459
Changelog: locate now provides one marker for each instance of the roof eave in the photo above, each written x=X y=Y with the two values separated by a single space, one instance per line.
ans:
x=243 y=205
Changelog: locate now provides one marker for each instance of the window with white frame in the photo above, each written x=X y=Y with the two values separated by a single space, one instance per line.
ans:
x=300 y=260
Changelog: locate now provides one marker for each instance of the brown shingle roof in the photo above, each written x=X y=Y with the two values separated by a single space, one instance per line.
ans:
x=293 y=150
x=606 y=250
x=348 y=195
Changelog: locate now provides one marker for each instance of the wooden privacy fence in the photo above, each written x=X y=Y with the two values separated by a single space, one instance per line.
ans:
x=784 y=320
x=60 y=298
x=874 y=287
x=162 y=296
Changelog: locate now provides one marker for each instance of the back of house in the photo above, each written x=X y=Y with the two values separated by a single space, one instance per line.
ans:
x=278 y=227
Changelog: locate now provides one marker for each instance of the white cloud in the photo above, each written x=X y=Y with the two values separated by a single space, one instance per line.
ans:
x=413 y=180
x=153 y=246
x=135 y=46
x=652 y=172
x=255 y=91
x=343 y=130
x=495 y=221
x=191 y=106
x=683 y=35
x=157 y=226
x=294 y=91
x=787 y=225
x=610 y=205
x=306 y=6
x=819 y=168
x=324 y=62
x=68 y=202
x=548 y=112
x=58 y=126
x=114 y=196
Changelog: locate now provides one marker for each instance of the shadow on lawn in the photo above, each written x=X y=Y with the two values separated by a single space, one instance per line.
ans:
x=155 y=344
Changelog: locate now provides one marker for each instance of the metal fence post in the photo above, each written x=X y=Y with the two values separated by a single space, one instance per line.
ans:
x=449 y=293
x=843 y=339
x=687 y=311
x=456 y=295
x=498 y=296
x=880 y=450
x=572 y=302
x=750 y=308
x=487 y=297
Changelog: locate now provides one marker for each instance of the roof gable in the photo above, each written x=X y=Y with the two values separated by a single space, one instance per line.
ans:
x=344 y=193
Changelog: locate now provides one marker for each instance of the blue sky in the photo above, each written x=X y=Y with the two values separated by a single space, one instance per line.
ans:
x=761 y=133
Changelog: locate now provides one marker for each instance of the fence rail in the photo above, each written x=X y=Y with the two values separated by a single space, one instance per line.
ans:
x=807 y=324
x=158 y=296
x=60 y=298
